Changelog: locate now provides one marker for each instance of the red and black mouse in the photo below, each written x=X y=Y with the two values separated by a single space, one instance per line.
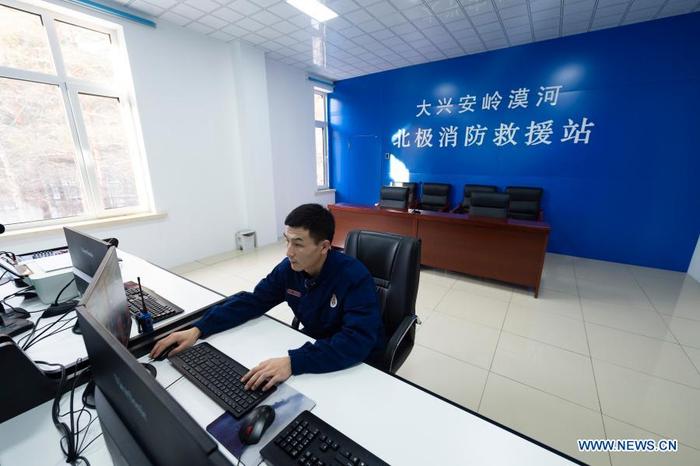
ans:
x=254 y=425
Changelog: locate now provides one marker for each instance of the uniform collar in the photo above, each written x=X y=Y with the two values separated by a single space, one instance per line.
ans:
x=327 y=270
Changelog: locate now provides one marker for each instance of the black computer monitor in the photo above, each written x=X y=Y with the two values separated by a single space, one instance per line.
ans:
x=105 y=298
x=86 y=254
x=141 y=422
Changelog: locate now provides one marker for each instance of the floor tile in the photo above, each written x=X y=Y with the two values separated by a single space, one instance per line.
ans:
x=216 y=258
x=649 y=355
x=427 y=368
x=603 y=272
x=620 y=430
x=488 y=288
x=474 y=308
x=630 y=319
x=436 y=277
x=562 y=304
x=694 y=355
x=687 y=331
x=558 y=282
x=546 y=327
x=224 y=284
x=466 y=341
x=559 y=372
x=542 y=416
x=188 y=267
x=630 y=295
x=429 y=295
x=686 y=305
x=670 y=289
x=669 y=409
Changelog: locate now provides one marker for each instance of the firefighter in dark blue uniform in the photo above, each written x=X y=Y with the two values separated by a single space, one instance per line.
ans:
x=332 y=295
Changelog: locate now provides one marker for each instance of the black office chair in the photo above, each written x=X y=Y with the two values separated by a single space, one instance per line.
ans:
x=393 y=197
x=524 y=202
x=394 y=262
x=412 y=192
x=436 y=196
x=494 y=205
x=463 y=208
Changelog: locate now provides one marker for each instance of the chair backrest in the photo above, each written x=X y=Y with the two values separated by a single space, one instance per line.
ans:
x=412 y=191
x=393 y=197
x=524 y=202
x=489 y=205
x=475 y=188
x=394 y=263
x=436 y=196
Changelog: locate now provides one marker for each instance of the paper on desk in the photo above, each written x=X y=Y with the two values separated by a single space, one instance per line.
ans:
x=287 y=403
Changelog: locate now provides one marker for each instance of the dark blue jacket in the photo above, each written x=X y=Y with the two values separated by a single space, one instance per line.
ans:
x=339 y=308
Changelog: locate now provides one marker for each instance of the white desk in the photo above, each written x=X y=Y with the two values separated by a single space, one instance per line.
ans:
x=401 y=424
x=66 y=347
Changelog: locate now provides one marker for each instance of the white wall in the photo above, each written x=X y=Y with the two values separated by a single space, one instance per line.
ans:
x=229 y=143
x=694 y=267
x=254 y=140
x=187 y=105
x=292 y=128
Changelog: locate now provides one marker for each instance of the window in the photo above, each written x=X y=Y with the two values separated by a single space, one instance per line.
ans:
x=67 y=127
x=321 y=138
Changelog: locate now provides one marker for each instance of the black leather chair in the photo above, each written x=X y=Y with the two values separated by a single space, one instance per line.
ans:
x=436 y=196
x=524 y=202
x=463 y=208
x=393 y=197
x=412 y=192
x=493 y=205
x=394 y=262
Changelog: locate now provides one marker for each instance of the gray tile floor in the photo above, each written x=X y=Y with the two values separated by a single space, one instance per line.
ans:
x=607 y=351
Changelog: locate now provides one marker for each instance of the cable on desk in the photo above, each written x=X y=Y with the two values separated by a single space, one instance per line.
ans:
x=30 y=340
x=70 y=440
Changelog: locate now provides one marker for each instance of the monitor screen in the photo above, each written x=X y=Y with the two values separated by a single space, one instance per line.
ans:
x=86 y=254
x=141 y=421
x=105 y=298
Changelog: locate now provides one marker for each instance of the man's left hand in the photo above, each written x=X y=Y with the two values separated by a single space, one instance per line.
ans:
x=272 y=371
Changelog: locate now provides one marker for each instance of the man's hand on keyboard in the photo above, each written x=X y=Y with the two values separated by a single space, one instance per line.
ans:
x=272 y=371
x=183 y=339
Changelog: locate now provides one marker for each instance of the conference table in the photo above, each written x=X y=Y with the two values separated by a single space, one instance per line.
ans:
x=506 y=250
x=398 y=421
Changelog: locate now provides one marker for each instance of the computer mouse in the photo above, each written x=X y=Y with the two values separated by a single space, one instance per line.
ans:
x=76 y=328
x=254 y=425
x=165 y=352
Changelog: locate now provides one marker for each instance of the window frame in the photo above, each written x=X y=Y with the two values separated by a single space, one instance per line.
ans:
x=324 y=126
x=71 y=89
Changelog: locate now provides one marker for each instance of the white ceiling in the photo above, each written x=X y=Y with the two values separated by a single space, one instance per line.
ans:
x=376 y=35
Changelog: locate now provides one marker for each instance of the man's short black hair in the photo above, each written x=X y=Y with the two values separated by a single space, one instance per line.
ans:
x=315 y=218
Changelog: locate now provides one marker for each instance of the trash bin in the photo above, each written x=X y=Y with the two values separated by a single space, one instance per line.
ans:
x=246 y=240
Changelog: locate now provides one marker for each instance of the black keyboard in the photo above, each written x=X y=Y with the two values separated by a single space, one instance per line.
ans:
x=218 y=376
x=307 y=440
x=159 y=307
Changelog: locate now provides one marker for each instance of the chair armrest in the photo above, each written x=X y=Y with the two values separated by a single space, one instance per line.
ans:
x=395 y=341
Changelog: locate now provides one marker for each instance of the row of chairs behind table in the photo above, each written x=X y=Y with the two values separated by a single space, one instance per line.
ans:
x=519 y=202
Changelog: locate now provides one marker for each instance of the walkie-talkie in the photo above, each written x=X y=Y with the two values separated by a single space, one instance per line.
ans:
x=144 y=318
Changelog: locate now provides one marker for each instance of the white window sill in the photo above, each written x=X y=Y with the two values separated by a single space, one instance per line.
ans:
x=100 y=222
x=325 y=191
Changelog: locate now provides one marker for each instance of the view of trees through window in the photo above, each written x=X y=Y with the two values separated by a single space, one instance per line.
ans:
x=66 y=132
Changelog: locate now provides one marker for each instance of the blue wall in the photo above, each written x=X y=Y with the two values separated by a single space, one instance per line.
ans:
x=629 y=195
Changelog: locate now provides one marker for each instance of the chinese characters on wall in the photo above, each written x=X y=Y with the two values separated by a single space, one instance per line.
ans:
x=505 y=134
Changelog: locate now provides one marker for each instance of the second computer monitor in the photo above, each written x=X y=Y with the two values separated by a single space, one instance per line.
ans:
x=105 y=298
x=86 y=254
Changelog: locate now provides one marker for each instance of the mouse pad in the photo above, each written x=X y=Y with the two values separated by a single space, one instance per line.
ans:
x=287 y=403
